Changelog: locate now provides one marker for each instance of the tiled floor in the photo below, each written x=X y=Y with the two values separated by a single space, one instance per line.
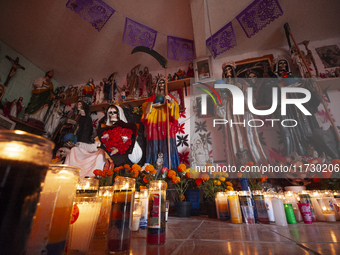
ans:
x=201 y=236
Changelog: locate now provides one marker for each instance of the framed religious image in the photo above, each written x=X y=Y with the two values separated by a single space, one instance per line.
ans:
x=255 y=67
x=329 y=55
x=203 y=70
x=210 y=107
x=178 y=94
x=6 y=123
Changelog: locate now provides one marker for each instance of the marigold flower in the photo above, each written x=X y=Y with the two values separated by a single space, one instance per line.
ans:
x=182 y=197
x=198 y=182
x=188 y=175
x=136 y=167
x=215 y=182
x=149 y=168
x=222 y=179
x=218 y=183
x=126 y=166
x=182 y=168
x=97 y=172
x=239 y=175
x=228 y=183
x=175 y=179
x=55 y=160
x=134 y=173
x=205 y=177
x=108 y=172
x=230 y=188
x=153 y=171
x=142 y=187
x=171 y=174
x=145 y=179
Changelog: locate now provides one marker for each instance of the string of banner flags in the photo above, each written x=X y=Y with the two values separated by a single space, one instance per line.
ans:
x=252 y=19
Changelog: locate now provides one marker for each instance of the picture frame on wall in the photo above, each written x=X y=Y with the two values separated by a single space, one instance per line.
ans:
x=179 y=95
x=262 y=66
x=329 y=55
x=6 y=123
x=203 y=70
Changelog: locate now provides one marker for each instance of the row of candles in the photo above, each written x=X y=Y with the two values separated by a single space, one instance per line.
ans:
x=72 y=211
x=282 y=208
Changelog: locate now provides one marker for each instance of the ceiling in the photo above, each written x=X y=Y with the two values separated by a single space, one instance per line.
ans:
x=52 y=36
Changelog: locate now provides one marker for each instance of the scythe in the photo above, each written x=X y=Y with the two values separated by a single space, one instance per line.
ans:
x=163 y=62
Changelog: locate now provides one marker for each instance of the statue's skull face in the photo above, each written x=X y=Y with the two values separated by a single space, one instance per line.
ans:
x=113 y=115
x=62 y=152
x=282 y=65
x=228 y=71
x=252 y=77
x=161 y=85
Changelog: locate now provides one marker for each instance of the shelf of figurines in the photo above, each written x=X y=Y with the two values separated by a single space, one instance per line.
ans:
x=178 y=84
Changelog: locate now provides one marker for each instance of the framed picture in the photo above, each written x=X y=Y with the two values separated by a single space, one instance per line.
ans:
x=203 y=70
x=329 y=55
x=6 y=123
x=261 y=67
x=210 y=107
x=178 y=94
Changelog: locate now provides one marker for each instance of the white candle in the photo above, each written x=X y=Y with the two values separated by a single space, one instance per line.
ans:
x=279 y=212
x=135 y=222
x=269 y=206
x=330 y=217
x=319 y=215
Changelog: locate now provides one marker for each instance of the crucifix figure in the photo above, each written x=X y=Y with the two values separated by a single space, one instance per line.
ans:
x=15 y=66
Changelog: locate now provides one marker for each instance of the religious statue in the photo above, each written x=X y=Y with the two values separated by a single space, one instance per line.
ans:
x=42 y=97
x=242 y=143
x=133 y=82
x=190 y=71
x=13 y=108
x=89 y=157
x=155 y=120
x=15 y=66
x=88 y=91
x=145 y=82
x=53 y=119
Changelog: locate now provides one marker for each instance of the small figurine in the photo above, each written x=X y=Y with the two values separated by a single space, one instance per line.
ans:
x=13 y=108
x=99 y=94
x=180 y=74
x=190 y=71
x=88 y=91
x=15 y=66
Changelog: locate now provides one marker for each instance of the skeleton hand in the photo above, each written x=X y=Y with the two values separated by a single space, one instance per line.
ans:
x=69 y=144
x=167 y=97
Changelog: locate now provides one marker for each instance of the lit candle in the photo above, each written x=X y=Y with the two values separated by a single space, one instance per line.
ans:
x=106 y=193
x=268 y=200
x=234 y=206
x=87 y=187
x=279 y=212
x=83 y=223
x=261 y=207
x=314 y=196
x=156 y=213
x=222 y=206
x=120 y=223
x=305 y=198
x=328 y=195
x=137 y=211
x=327 y=211
x=144 y=199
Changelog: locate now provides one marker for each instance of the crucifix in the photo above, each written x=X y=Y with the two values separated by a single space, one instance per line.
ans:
x=15 y=66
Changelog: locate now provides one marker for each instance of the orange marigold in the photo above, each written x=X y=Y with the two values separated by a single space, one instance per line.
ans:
x=149 y=168
x=171 y=174
x=108 y=172
x=205 y=177
x=134 y=173
x=230 y=188
x=145 y=179
x=182 y=168
x=136 y=167
x=117 y=169
x=175 y=179
x=239 y=175
x=126 y=166
x=198 y=182
x=97 y=172
x=188 y=175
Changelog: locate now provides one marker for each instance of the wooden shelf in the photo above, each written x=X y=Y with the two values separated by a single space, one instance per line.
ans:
x=69 y=100
x=334 y=83
x=179 y=83
x=99 y=107
x=135 y=102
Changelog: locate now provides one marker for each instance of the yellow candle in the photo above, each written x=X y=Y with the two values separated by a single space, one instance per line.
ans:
x=235 y=209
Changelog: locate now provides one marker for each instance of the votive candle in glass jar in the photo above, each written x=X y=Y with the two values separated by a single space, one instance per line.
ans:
x=120 y=223
x=106 y=193
x=234 y=206
x=156 y=213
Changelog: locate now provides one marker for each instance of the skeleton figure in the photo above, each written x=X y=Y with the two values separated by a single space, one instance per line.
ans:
x=62 y=153
x=112 y=115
